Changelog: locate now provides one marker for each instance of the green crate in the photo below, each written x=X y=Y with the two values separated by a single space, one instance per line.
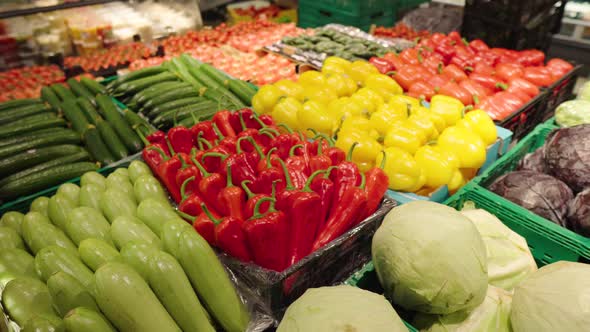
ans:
x=312 y=16
x=348 y=7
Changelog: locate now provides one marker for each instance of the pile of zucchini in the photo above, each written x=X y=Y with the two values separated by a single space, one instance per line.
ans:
x=112 y=255
x=37 y=151
x=182 y=91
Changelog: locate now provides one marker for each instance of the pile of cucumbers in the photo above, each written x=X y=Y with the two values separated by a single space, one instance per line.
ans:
x=181 y=91
x=112 y=254
x=37 y=151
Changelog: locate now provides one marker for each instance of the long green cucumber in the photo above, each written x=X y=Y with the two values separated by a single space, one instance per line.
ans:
x=90 y=196
x=76 y=157
x=242 y=90
x=184 y=71
x=79 y=89
x=142 y=83
x=128 y=302
x=135 y=75
x=88 y=109
x=115 y=203
x=17 y=261
x=31 y=126
x=214 y=287
x=13 y=219
x=155 y=213
x=18 y=103
x=51 y=98
x=84 y=320
x=24 y=298
x=123 y=129
x=45 y=115
x=176 y=104
x=75 y=115
x=18 y=138
x=176 y=94
x=126 y=229
x=35 y=156
x=203 y=76
x=112 y=140
x=214 y=74
x=41 y=205
x=95 y=253
x=155 y=90
x=85 y=222
x=219 y=96
x=53 y=259
x=44 y=323
x=14 y=114
x=97 y=146
x=62 y=92
x=39 y=233
x=44 y=179
x=68 y=293
x=9 y=238
x=60 y=137
x=169 y=116
x=93 y=86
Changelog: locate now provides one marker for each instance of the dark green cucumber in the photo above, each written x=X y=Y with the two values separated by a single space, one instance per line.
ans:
x=138 y=123
x=123 y=129
x=62 y=92
x=18 y=103
x=141 y=73
x=142 y=83
x=93 y=86
x=79 y=89
x=112 y=140
x=19 y=138
x=47 y=115
x=60 y=137
x=31 y=126
x=45 y=179
x=213 y=73
x=76 y=157
x=175 y=104
x=50 y=97
x=243 y=90
x=154 y=91
x=207 y=81
x=96 y=146
x=18 y=113
x=89 y=111
x=33 y=157
x=202 y=115
x=181 y=112
x=75 y=115
x=222 y=100
x=188 y=92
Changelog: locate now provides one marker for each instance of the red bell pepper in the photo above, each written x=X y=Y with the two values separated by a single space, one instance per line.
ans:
x=487 y=81
x=157 y=136
x=345 y=176
x=478 y=45
x=559 y=66
x=421 y=90
x=210 y=185
x=181 y=139
x=453 y=89
x=522 y=85
x=376 y=185
x=221 y=120
x=297 y=167
x=508 y=71
x=531 y=58
x=476 y=90
x=254 y=198
x=383 y=65
x=203 y=129
x=187 y=171
x=204 y=224
x=232 y=198
x=454 y=73
x=539 y=76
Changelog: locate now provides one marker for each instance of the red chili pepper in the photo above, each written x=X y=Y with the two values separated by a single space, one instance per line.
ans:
x=204 y=224
x=167 y=171
x=349 y=211
x=297 y=167
x=376 y=185
x=232 y=198
x=324 y=187
x=268 y=174
x=345 y=176
x=186 y=171
x=267 y=119
x=284 y=143
x=157 y=137
x=191 y=203
x=222 y=120
x=229 y=235
x=203 y=129
x=267 y=236
x=213 y=161
x=254 y=198
x=154 y=154
x=181 y=139
x=320 y=160
x=245 y=164
x=283 y=195
x=210 y=185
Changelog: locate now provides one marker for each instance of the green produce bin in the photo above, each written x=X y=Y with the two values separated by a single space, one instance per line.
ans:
x=353 y=13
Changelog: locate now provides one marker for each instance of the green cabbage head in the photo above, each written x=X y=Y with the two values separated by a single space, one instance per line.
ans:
x=572 y=113
x=555 y=298
x=341 y=308
x=584 y=92
x=430 y=258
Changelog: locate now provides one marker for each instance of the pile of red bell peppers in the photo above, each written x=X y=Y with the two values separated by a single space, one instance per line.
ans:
x=261 y=195
x=497 y=80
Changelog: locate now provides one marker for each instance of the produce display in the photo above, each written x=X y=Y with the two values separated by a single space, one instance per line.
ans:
x=110 y=58
x=389 y=128
x=574 y=112
x=112 y=253
x=27 y=82
x=400 y=30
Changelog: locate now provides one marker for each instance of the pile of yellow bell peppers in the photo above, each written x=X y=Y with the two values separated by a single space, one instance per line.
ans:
x=419 y=148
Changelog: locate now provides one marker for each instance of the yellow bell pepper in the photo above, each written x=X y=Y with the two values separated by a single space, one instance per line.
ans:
x=286 y=110
x=385 y=115
x=266 y=98
x=402 y=169
x=369 y=97
x=457 y=180
x=345 y=106
x=335 y=65
x=290 y=89
x=366 y=149
x=467 y=146
x=423 y=122
x=384 y=85
x=338 y=83
x=479 y=122
x=350 y=85
x=313 y=115
x=468 y=173
x=319 y=93
x=312 y=77
x=404 y=136
x=449 y=108
x=437 y=120
x=401 y=102
x=437 y=169
x=353 y=124
x=360 y=70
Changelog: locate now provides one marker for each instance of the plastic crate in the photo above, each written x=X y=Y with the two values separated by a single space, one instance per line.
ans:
x=562 y=90
x=512 y=12
x=319 y=14
x=350 y=7
x=530 y=115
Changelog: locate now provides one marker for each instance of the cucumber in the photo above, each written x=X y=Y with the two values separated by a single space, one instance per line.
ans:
x=60 y=137
x=155 y=213
x=202 y=76
x=41 y=205
x=84 y=320
x=242 y=90
x=51 y=98
x=18 y=103
x=137 y=255
x=14 y=114
x=214 y=287
x=31 y=126
x=93 y=86
x=76 y=157
x=205 y=107
x=44 y=323
x=39 y=233
x=95 y=253
x=58 y=208
x=24 y=298
x=136 y=169
x=17 y=261
x=53 y=259
x=156 y=90
x=68 y=293
x=90 y=196
x=62 y=92
x=212 y=73
x=85 y=223
x=184 y=71
x=190 y=121
x=128 y=302
x=70 y=191
x=46 y=115
x=12 y=219
x=135 y=75
x=115 y=203
x=44 y=179
x=135 y=86
x=127 y=135
x=97 y=147
x=35 y=156
x=147 y=186
x=126 y=229
x=120 y=182
x=219 y=96
x=9 y=238
x=112 y=140
x=89 y=111
x=19 y=138
x=176 y=94
x=176 y=104
x=79 y=89
x=93 y=178
x=75 y=115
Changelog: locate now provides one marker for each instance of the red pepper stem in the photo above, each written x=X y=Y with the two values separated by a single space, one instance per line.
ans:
x=502 y=86
x=170 y=147
x=325 y=137
x=349 y=155
x=363 y=181
x=229 y=182
x=215 y=154
x=475 y=99
x=267 y=134
x=287 y=128
x=249 y=192
x=328 y=171
x=271 y=208
x=217 y=131
x=160 y=151
x=252 y=141
x=242 y=122
x=199 y=144
x=269 y=130
x=273 y=191
x=202 y=141
x=268 y=164
x=184 y=163
x=257 y=119
x=383 y=160
x=307 y=187
x=183 y=187
x=292 y=150
x=209 y=214
x=199 y=166
x=142 y=137
x=185 y=215
x=287 y=176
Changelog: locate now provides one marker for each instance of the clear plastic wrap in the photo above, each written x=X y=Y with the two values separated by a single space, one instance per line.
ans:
x=398 y=43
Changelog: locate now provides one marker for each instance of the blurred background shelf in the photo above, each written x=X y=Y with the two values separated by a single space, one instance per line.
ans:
x=43 y=9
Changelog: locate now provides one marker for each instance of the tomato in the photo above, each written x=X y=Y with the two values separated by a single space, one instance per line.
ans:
x=453 y=89
x=522 y=85
x=539 y=76
x=454 y=73
x=507 y=71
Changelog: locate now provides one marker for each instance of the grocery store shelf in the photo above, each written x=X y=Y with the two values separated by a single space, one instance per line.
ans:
x=210 y=4
x=35 y=10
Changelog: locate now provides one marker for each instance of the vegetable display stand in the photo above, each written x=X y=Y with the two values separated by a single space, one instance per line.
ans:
x=548 y=241
x=494 y=151
x=329 y=265
x=562 y=90
x=529 y=116
x=513 y=12
x=354 y=13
